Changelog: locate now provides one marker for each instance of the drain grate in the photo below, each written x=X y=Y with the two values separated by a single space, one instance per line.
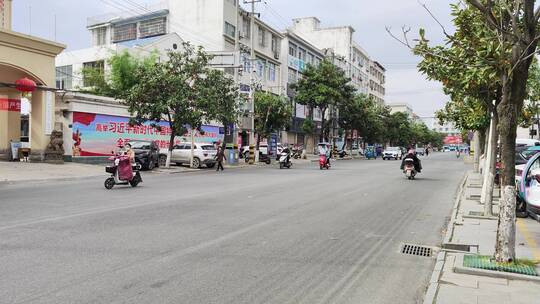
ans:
x=417 y=250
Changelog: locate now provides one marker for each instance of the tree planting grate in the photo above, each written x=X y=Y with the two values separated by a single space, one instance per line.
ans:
x=487 y=262
x=417 y=250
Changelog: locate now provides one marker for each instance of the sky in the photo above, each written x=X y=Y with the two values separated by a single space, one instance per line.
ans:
x=369 y=18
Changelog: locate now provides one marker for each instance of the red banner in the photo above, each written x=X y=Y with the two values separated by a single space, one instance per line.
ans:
x=12 y=105
x=453 y=140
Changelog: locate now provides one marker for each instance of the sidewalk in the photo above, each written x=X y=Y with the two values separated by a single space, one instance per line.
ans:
x=449 y=286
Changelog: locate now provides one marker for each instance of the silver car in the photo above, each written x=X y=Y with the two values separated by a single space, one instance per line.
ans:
x=203 y=154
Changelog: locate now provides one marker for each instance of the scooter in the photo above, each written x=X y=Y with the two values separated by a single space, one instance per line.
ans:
x=122 y=172
x=285 y=160
x=323 y=162
x=409 y=169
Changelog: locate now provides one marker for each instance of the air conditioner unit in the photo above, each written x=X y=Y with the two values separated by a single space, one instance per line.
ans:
x=276 y=55
x=242 y=34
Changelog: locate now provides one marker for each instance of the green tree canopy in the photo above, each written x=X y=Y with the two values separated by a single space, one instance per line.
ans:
x=321 y=87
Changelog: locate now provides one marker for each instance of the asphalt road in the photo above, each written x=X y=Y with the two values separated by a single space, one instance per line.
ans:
x=256 y=235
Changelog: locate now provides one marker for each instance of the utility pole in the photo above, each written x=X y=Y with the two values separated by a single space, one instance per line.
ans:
x=252 y=75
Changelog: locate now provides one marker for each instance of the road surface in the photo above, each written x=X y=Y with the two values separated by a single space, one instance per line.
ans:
x=256 y=235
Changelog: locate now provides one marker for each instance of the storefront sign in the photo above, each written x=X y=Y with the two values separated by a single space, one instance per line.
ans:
x=98 y=135
x=11 y=105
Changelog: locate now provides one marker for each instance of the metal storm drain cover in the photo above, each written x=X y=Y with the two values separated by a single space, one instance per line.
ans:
x=418 y=250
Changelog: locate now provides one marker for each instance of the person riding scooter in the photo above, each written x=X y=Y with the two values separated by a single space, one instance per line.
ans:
x=417 y=163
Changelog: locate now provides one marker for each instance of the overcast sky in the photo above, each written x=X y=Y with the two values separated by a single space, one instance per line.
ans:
x=367 y=17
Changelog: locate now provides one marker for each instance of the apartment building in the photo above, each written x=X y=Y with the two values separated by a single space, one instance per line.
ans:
x=377 y=82
x=298 y=54
x=366 y=75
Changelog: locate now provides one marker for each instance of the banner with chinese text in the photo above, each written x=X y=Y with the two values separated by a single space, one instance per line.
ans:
x=99 y=135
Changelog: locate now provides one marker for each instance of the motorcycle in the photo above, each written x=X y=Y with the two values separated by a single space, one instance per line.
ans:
x=285 y=160
x=122 y=172
x=409 y=169
x=323 y=162
x=458 y=153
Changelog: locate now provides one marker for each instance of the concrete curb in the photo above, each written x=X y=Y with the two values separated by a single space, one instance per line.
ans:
x=459 y=268
x=433 y=288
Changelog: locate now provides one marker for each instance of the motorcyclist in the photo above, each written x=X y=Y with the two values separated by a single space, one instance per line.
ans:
x=288 y=152
x=417 y=164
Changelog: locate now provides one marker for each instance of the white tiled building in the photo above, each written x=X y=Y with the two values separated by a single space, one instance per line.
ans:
x=366 y=75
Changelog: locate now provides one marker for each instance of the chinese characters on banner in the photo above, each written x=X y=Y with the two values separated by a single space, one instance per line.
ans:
x=11 y=105
x=99 y=135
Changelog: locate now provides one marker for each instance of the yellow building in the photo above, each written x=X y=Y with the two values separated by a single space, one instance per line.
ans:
x=23 y=56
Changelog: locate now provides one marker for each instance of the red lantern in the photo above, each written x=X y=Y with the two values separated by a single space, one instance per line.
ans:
x=25 y=85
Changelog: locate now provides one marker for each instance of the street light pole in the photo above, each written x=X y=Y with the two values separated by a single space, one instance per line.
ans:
x=252 y=74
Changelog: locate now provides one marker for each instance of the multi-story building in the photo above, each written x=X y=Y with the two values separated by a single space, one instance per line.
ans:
x=344 y=52
x=222 y=27
x=298 y=54
x=434 y=124
x=377 y=82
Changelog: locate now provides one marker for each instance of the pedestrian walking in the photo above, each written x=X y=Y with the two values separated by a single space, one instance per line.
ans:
x=427 y=151
x=220 y=157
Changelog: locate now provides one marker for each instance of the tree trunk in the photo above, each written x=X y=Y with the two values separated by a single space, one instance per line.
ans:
x=171 y=144
x=482 y=140
x=476 y=139
x=511 y=104
x=324 y=129
x=486 y=197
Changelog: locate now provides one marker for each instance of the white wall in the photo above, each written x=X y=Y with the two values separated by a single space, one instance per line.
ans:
x=200 y=22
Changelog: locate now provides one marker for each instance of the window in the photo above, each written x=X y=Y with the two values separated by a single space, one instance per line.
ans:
x=317 y=61
x=275 y=44
x=260 y=67
x=93 y=72
x=292 y=49
x=100 y=36
x=245 y=57
x=125 y=32
x=292 y=76
x=230 y=30
x=271 y=71
x=64 y=77
x=310 y=58
x=301 y=54
x=246 y=27
x=153 y=27
x=262 y=37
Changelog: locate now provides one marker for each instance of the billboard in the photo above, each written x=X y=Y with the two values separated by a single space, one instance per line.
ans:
x=453 y=140
x=99 y=135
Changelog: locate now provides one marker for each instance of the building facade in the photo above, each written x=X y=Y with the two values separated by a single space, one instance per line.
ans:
x=366 y=75
x=298 y=54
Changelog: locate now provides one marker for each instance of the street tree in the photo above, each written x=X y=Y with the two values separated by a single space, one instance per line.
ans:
x=515 y=23
x=322 y=87
x=171 y=91
x=464 y=66
x=221 y=99
x=273 y=113
x=398 y=129
x=121 y=76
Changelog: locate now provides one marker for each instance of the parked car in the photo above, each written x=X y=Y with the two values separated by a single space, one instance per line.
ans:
x=392 y=152
x=203 y=154
x=529 y=152
x=146 y=153
x=420 y=151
